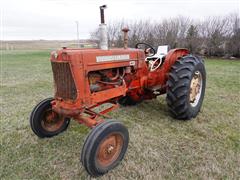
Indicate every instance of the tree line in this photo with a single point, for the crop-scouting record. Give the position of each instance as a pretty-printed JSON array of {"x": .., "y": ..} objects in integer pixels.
[{"x": 214, "y": 36}]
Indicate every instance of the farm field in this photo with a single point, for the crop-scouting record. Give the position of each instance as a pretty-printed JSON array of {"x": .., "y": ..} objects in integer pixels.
[{"x": 207, "y": 147}]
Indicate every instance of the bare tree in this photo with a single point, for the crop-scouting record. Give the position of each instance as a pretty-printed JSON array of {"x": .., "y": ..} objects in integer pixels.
[
  {"x": 192, "y": 39},
  {"x": 214, "y": 36},
  {"x": 233, "y": 43}
]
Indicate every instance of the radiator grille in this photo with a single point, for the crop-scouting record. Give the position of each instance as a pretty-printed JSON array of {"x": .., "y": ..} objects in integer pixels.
[{"x": 64, "y": 83}]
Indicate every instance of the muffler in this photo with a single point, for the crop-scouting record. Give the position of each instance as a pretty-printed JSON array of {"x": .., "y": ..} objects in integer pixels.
[{"x": 103, "y": 30}]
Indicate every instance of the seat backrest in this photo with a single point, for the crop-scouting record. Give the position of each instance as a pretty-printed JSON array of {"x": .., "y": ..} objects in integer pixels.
[{"x": 161, "y": 51}]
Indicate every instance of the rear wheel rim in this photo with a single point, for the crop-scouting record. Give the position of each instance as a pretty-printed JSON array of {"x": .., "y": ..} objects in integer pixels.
[
  {"x": 109, "y": 149},
  {"x": 51, "y": 121},
  {"x": 195, "y": 88}
]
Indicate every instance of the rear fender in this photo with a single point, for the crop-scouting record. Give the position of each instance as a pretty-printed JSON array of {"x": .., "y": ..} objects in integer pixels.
[
  {"x": 172, "y": 56},
  {"x": 159, "y": 77}
]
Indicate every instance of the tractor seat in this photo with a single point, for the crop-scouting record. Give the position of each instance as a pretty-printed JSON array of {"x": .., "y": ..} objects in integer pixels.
[{"x": 161, "y": 52}]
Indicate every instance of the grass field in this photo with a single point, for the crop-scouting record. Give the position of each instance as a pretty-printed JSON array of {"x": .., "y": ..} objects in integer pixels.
[{"x": 208, "y": 147}]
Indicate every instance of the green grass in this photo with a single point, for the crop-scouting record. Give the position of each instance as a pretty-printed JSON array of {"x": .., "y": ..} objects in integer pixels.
[{"x": 160, "y": 147}]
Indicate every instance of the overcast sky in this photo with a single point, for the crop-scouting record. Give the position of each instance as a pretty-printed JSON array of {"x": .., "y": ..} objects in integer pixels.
[{"x": 55, "y": 19}]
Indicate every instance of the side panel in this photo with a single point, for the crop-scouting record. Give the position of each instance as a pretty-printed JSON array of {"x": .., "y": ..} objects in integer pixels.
[{"x": 106, "y": 60}]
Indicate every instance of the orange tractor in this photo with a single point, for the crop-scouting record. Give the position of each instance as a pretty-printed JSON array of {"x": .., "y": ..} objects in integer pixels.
[{"x": 85, "y": 79}]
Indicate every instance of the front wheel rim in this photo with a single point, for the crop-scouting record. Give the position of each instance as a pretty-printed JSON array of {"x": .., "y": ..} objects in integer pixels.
[
  {"x": 51, "y": 121},
  {"x": 195, "y": 88},
  {"x": 109, "y": 149}
]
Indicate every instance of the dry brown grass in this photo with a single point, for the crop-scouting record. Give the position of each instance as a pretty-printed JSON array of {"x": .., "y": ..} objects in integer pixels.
[{"x": 39, "y": 44}]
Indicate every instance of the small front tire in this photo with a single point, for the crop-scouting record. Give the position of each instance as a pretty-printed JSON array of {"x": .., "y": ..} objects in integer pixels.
[
  {"x": 104, "y": 147},
  {"x": 45, "y": 122}
]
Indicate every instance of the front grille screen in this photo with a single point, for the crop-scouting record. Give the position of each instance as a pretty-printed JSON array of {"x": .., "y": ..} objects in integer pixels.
[{"x": 64, "y": 83}]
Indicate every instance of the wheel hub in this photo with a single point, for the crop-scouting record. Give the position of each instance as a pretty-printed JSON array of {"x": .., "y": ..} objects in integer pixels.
[
  {"x": 109, "y": 149},
  {"x": 195, "y": 88},
  {"x": 51, "y": 121}
]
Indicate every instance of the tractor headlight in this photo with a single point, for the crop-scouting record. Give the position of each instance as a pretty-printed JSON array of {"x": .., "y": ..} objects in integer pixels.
[{"x": 55, "y": 54}]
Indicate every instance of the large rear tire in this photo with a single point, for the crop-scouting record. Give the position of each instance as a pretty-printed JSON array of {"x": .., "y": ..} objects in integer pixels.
[{"x": 186, "y": 87}]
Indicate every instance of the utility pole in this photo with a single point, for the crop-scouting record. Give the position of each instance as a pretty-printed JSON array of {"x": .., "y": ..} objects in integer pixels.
[{"x": 78, "y": 43}]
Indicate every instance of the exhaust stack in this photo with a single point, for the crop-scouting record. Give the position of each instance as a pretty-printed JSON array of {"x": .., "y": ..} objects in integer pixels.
[
  {"x": 125, "y": 37},
  {"x": 103, "y": 30}
]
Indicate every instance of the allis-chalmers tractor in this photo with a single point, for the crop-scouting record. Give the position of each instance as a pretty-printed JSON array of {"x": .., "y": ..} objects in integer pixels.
[{"x": 85, "y": 79}]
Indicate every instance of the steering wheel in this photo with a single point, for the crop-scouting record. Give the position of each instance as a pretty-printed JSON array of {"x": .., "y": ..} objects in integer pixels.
[
  {"x": 154, "y": 65},
  {"x": 148, "y": 49}
]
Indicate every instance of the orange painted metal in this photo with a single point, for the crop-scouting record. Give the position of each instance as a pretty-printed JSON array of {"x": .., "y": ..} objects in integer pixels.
[
  {"x": 51, "y": 121},
  {"x": 138, "y": 84},
  {"x": 109, "y": 149},
  {"x": 160, "y": 76}
]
